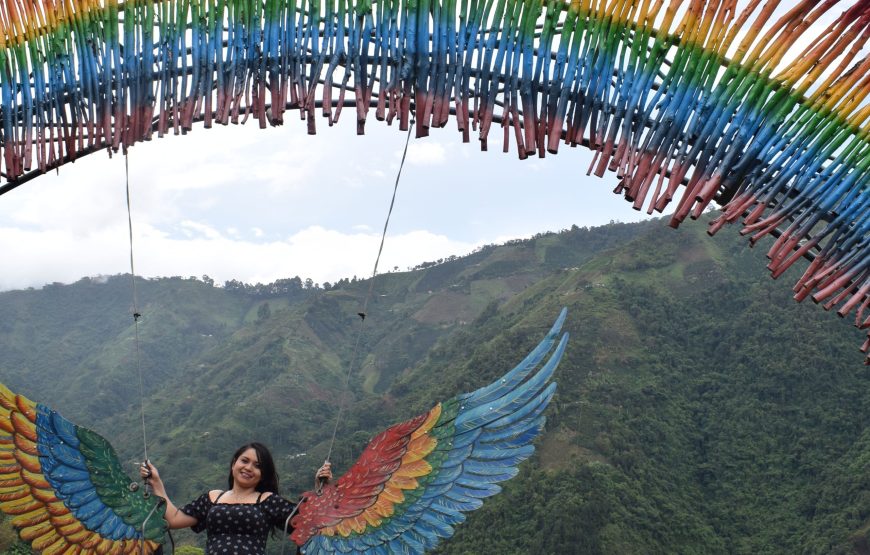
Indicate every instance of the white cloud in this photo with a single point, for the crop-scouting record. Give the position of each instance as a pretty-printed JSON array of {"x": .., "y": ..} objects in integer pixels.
[
  {"x": 316, "y": 252},
  {"x": 194, "y": 229},
  {"x": 312, "y": 206},
  {"x": 426, "y": 153}
]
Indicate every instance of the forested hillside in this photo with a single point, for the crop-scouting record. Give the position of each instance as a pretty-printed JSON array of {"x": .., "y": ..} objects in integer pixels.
[{"x": 699, "y": 409}]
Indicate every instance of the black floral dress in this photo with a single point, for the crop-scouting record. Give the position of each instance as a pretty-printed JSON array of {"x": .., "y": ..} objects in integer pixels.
[{"x": 241, "y": 527}]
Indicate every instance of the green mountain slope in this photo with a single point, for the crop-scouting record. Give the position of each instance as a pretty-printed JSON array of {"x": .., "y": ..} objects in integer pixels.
[{"x": 699, "y": 409}]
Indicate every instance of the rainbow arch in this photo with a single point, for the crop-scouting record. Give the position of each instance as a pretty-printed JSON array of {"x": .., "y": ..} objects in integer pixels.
[{"x": 759, "y": 106}]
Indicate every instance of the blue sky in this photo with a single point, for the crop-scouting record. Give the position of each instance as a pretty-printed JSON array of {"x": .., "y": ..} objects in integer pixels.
[
  {"x": 256, "y": 205},
  {"x": 252, "y": 204}
]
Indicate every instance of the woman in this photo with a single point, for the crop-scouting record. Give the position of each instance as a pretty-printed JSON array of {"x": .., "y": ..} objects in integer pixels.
[{"x": 239, "y": 519}]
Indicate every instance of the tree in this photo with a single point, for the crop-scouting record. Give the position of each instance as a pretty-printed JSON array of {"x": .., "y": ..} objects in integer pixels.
[{"x": 264, "y": 312}]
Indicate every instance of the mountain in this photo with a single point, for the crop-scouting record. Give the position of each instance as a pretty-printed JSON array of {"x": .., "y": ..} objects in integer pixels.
[{"x": 699, "y": 409}]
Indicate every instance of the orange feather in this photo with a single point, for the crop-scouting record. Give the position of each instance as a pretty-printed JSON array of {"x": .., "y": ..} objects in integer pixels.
[
  {"x": 27, "y": 407},
  {"x": 24, "y": 427},
  {"x": 29, "y": 462}
]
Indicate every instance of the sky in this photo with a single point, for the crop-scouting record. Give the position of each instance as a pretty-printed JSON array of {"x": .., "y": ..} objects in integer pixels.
[{"x": 256, "y": 205}]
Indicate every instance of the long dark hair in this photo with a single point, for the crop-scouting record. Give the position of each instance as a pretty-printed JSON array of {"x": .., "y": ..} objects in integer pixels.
[{"x": 268, "y": 475}]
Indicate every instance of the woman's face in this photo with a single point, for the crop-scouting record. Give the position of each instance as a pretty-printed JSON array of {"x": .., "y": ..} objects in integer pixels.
[{"x": 246, "y": 469}]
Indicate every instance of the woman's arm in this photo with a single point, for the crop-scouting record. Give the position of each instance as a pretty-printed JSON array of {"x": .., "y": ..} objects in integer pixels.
[{"x": 173, "y": 515}]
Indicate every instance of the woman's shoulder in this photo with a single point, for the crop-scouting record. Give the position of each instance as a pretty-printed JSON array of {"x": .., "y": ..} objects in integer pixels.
[
  {"x": 213, "y": 494},
  {"x": 277, "y": 500}
]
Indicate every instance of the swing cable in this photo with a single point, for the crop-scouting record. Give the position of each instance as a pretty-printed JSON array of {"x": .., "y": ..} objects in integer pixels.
[
  {"x": 362, "y": 314},
  {"x": 136, "y": 313}
]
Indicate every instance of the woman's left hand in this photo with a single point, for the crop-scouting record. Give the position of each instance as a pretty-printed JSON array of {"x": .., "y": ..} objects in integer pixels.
[{"x": 324, "y": 473}]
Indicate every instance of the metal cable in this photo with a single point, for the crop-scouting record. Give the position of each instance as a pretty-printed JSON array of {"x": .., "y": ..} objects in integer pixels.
[
  {"x": 136, "y": 313},
  {"x": 368, "y": 296}
]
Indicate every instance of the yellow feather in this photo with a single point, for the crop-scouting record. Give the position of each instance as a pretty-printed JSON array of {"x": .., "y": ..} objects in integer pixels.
[
  {"x": 31, "y": 518},
  {"x": 413, "y": 469},
  {"x": 86, "y": 539},
  {"x": 31, "y": 532},
  {"x": 12, "y": 493},
  {"x": 81, "y": 536},
  {"x": 49, "y": 543},
  {"x": 59, "y": 518},
  {"x": 59, "y": 549},
  {"x": 72, "y": 549},
  {"x": 384, "y": 507},
  {"x": 356, "y": 524},
  {"x": 21, "y": 506},
  {"x": 394, "y": 495},
  {"x": 402, "y": 482},
  {"x": 7, "y": 398},
  {"x": 104, "y": 546},
  {"x": 372, "y": 520},
  {"x": 433, "y": 417},
  {"x": 343, "y": 528},
  {"x": 420, "y": 447},
  {"x": 45, "y": 495},
  {"x": 70, "y": 530}
]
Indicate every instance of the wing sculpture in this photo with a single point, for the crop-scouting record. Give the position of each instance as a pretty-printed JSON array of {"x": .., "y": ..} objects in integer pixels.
[
  {"x": 414, "y": 482},
  {"x": 65, "y": 488}
]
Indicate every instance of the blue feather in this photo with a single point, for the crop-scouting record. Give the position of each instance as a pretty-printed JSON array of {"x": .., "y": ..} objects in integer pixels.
[
  {"x": 531, "y": 409},
  {"x": 466, "y": 439},
  {"x": 519, "y": 439},
  {"x": 456, "y": 456},
  {"x": 66, "y": 474},
  {"x": 446, "y": 513},
  {"x": 519, "y": 373},
  {"x": 515, "y": 430},
  {"x": 434, "y": 490},
  {"x": 464, "y": 505},
  {"x": 467, "y": 503},
  {"x": 500, "y": 455},
  {"x": 447, "y": 475},
  {"x": 474, "y": 488},
  {"x": 71, "y": 488},
  {"x": 68, "y": 456},
  {"x": 81, "y": 498},
  {"x": 500, "y": 474},
  {"x": 412, "y": 542},
  {"x": 513, "y": 400},
  {"x": 341, "y": 545},
  {"x": 399, "y": 547},
  {"x": 64, "y": 429},
  {"x": 482, "y": 445},
  {"x": 439, "y": 526}
]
